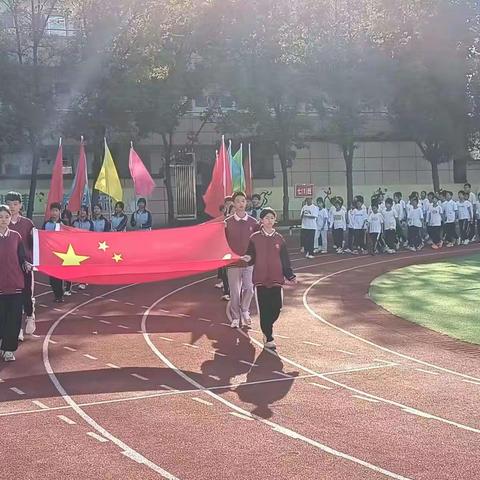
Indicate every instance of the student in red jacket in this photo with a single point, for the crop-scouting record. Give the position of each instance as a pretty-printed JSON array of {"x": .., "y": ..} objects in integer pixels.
[
  {"x": 12, "y": 283},
  {"x": 268, "y": 253},
  {"x": 24, "y": 226}
]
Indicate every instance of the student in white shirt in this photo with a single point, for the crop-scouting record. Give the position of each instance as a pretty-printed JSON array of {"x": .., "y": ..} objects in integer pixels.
[
  {"x": 450, "y": 213},
  {"x": 415, "y": 223},
  {"x": 359, "y": 221},
  {"x": 375, "y": 227},
  {"x": 339, "y": 225},
  {"x": 390, "y": 220},
  {"x": 349, "y": 242},
  {"x": 465, "y": 218},
  {"x": 472, "y": 198},
  {"x": 309, "y": 215},
  {"x": 322, "y": 228},
  {"x": 401, "y": 211},
  {"x": 477, "y": 215},
  {"x": 434, "y": 223}
]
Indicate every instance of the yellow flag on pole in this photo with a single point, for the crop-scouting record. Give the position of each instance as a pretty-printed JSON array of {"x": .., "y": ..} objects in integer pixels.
[{"x": 108, "y": 181}]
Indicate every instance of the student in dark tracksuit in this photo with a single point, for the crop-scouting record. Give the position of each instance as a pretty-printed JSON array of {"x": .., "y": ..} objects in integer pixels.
[
  {"x": 141, "y": 219},
  {"x": 12, "y": 282},
  {"x": 119, "y": 219},
  {"x": 267, "y": 252},
  {"x": 100, "y": 223}
]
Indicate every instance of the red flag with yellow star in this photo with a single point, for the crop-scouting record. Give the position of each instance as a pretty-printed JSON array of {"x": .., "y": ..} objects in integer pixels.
[{"x": 119, "y": 258}]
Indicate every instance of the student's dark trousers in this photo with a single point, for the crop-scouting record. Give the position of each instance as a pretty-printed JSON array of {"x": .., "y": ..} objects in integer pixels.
[
  {"x": 435, "y": 234},
  {"x": 10, "y": 321},
  {"x": 464, "y": 226},
  {"x": 390, "y": 238},
  {"x": 57, "y": 287},
  {"x": 338, "y": 237},
  {"x": 450, "y": 232},
  {"x": 308, "y": 240},
  {"x": 414, "y": 238},
  {"x": 269, "y": 301},
  {"x": 359, "y": 238},
  {"x": 27, "y": 295}
]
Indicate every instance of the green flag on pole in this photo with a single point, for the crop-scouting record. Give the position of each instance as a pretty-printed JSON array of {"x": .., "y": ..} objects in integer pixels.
[{"x": 238, "y": 174}]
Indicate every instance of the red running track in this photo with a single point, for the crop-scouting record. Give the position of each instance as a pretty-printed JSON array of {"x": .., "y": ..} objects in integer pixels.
[{"x": 143, "y": 382}]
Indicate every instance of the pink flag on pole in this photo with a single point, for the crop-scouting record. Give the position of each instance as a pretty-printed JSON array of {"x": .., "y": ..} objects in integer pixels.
[
  {"x": 142, "y": 180},
  {"x": 55, "y": 194},
  {"x": 80, "y": 182}
]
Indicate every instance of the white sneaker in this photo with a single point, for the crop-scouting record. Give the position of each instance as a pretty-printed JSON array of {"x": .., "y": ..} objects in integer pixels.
[
  {"x": 316, "y": 250},
  {"x": 8, "y": 357},
  {"x": 21, "y": 338},
  {"x": 302, "y": 250},
  {"x": 412, "y": 249},
  {"x": 466, "y": 242},
  {"x": 30, "y": 326},
  {"x": 226, "y": 298},
  {"x": 82, "y": 286},
  {"x": 272, "y": 345},
  {"x": 347, "y": 250},
  {"x": 309, "y": 256},
  {"x": 235, "y": 324},
  {"x": 219, "y": 285},
  {"x": 246, "y": 320},
  {"x": 68, "y": 293},
  {"x": 339, "y": 250}
]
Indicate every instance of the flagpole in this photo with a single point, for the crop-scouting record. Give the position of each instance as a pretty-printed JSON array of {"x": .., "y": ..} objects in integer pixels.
[
  {"x": 222, "y": 147},
  {"x": 250, "y": 174}
]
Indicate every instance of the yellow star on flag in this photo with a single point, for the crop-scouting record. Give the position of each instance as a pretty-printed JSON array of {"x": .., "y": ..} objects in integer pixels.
[
  {"x": 70, "y": 258},
  {"x": 103, "y": 246},
  {"x": 117, "y": 257}
]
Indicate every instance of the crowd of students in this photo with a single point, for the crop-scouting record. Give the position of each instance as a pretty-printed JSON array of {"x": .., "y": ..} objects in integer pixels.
[{"x": 389, "y": 224}]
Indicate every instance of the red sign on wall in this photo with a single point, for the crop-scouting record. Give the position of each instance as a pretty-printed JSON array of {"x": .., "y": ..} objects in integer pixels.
[{"x": 304, "y": 190}]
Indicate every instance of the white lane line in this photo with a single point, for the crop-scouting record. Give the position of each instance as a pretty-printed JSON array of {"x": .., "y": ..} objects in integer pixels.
[
  {"x": 97, "y": 437},
  {"x": 366, "y": 399},
  {"x": 57, "y": 310},
  {"x": 381, "y": 360},
  {"x": 112, "y": 365},
  {"x": 91, "y": 357},
  {"x": 87, "y": 317},
  {"x": 269, "y": 423},
  {"x": 190, "y": 345},
  {"x": 41, "y": 405},
  {"x": 281, "y": 336},
  {"x": 17, "y": 391},
  {"x": 283, "y": 374},
  {"x": 95, "y": 333},
  {"x": 70, "y": 349},
  {"x": 215, "y": 377},
  {"x": 1, "y": 380},
  {"x": 67, "y": 420},
  {"x": 183, "y": 315},
  {"x": 364, "y": 340},
  {"x": 52, "y": 341},
  {"x": 250, "y": 364},
  {"x": 345, "y": 352},
  {"x": 35, "y": 335},
  {"x": 123, "y": 326},
  {"x": 143, "y": 306},
  {"x": 201, "y": 400},
  {"x": 239, "y": 415},
  {"x": 166, "y": 339},
  {"x": 426, "y": 371},
  {"x": 140, "y": 377},
  {"x": 312, "y": 343},
  {"x": 218, "y": 353},
  {"x": 87, "y": 294},
  {"x": 106, "y": 322},
  {"x": 113, "y": 300},
  {"x": 43, "y": 305},
  {"x": 168, "y": 387},
  {"x": 471, "y": 381},
  {"x": 204, "y": 320},
  {"x": 418, "y": 413},
  {"x": 320, "y": 385},
  {"x": 69, "y": 400},
  {"x": 129, "y": 303}
]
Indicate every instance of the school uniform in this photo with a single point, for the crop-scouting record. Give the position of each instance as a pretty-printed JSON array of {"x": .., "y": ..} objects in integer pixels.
[
  {"x": 86, "y": 224},
  {"x": 450, "y": 210},
  {"x": 55, "y": 283},
  {"x": 465, "y": 217},
  {"x": 271, "y": 265},
  {"x": 322, "y": 229},
  {"x": 472, "y": 198},
  {"x": 141, "y": 220},
  {"x": 401, "y": 211},
  {"x": 119, "y": 223},
  {"x": 415, "y": 223},
  {"x": 255, "y": 213},
  {"x": 309, "y": 215},
  {"x": 101, "y": 224},
  {"x": 359, "y": 219},
  {"x": 375, "y": 226},
  {"x": 238, "y": 231},
  {"x": 434, "y": 223},
  {"x": 12, "y": 283},
  {"x": 24, "y": 226},
  {"x": 339, "y": 226},
  {"x": 390, "y": 220}
]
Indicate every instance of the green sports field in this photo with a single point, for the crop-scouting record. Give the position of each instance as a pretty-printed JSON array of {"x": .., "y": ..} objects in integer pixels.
[{"x": 443, "y": 296}]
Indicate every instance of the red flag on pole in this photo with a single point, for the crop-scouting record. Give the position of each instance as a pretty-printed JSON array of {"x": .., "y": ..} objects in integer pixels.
[
  {"x": 142, "y": 180},
  {"x": 80, "y": 182},
  {"x": 220, "y": 185},
  {"x": 116, "y": 259},
  {"x": 55, "y": 194},
  {"x": 248, "y": 173}
]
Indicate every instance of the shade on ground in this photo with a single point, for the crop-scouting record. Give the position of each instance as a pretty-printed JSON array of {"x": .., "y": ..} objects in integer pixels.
[{"x": 443, "y": 296}]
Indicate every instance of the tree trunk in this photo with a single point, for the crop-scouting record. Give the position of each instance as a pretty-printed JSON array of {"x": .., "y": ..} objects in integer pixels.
[
  {"x": 282, "y": 153},
  {"x": 33, "y": 177},
  {"x": 167, "y": 143},
  {"x": 435, "y": 175},
  {"x": 348, "y": 157}
]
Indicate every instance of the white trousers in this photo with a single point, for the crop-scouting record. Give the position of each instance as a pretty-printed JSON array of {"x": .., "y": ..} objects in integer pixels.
[
  {"x": 323, "y": 234},
  {"x": 241, "y": 290}
]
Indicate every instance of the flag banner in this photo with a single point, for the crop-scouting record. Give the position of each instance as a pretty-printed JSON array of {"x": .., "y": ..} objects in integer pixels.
[
  {"x": 132, "y": 257},
  {"x": 238, "y": 175},
  {"x": 142, "y": 180},
  {"x": 108, "y": 181},
  {"x": 80, "y": 194},
  {"x": 221, "y": 184},
  {"x": 248, "y": 173},
  {"x": 55, "y": 194}
]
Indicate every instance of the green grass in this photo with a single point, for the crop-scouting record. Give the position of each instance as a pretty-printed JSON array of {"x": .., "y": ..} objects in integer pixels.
[{"x": 443, "y": 296}]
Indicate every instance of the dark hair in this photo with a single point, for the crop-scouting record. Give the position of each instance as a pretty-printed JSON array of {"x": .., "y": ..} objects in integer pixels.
[
  {"x": 120, "y": 204},
  {"x": 388, "y": 201},
  {"x": 67, "y": 214},
  {"x": 84, "y": 208},
  {"x": 228, "y": 198},
  {"x": 238, "y": 194},
  {"x": 398, "y": 194},
  {"x": 256, "y": 195},
  {"x": 424, "y": 191},
  {"x": 13, "y": 197},
  {"x": 142, "y": 200},
  {"x": 414, "y": 199},
  {"x": 461, "y": 192},
  {"x": 266, "y": 211},
  {"x": 358, "y": 198},
  {"x": 99, "y": 206},
  {"x": 467, "y": 185},
  {"x": 374, "y": 204},
  {"x": 5, "y": 208},
  {"x": 431, "y": 193},
  {"x": 55, "y": 205}
]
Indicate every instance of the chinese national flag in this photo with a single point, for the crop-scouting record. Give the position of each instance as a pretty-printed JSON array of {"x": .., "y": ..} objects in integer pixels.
[{"x": 119, "y": 258}]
